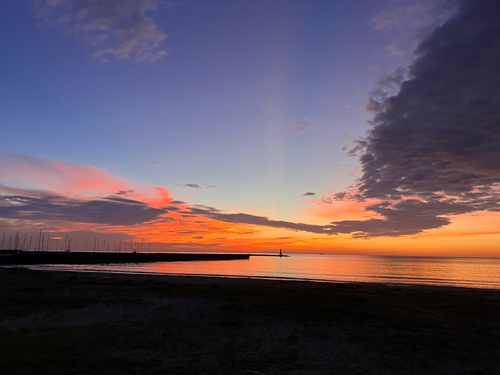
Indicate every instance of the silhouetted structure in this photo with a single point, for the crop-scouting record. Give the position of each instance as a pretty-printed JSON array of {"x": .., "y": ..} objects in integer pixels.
[{"x": 10, "y": 257}]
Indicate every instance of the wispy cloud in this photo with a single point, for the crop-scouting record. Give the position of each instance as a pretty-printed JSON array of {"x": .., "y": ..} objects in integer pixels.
[
  {"x": 302, "y": 124},
  {"x": 308, "y": 194},
  {"x": 67, "y": 178},
  {"x": 71, "y": 180},
  {"x": 408, "y": 21},
  {"x": 400, "y": 14},
  {"x": 192, "y": 186},
  {"x": 197, "y": 186},
  {"x": 111, "y": 28},
  {"x": 124, "y": 192}
]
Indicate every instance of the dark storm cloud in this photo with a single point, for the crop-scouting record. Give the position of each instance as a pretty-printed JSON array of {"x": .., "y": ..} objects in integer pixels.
[
  {"x": 112, "y": 211},
  {"x": 438, "y": 137},
  {"x": 441, "y": 132}
]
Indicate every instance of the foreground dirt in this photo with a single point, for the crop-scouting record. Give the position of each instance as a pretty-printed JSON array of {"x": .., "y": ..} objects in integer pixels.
[{"x": 62, "y": 323}]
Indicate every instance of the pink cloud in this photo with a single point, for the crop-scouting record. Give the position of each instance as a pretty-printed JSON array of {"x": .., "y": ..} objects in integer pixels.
[{"x": 71, "y": 180}]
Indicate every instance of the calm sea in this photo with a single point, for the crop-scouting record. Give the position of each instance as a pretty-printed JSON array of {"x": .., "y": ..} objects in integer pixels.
[{"x": 464, "y": 272}]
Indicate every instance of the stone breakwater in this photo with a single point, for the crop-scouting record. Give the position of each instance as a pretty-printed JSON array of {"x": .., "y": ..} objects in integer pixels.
[{"x": 18, "y": 257}]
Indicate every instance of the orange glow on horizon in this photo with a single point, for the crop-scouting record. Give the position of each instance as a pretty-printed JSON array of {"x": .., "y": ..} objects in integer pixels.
[
  {"x": 473, "y": 234},
  {"x": 340, "y": 210}
]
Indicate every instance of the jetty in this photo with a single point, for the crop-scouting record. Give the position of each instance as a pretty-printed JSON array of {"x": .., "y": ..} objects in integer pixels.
[
  {"x": 20, "y": 257},
  {"x": 281, "y": 255},
  {"x": 45, "y": 249}
]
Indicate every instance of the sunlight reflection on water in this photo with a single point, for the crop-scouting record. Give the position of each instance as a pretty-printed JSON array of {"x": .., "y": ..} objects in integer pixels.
[{"x": 465, "y": 272}]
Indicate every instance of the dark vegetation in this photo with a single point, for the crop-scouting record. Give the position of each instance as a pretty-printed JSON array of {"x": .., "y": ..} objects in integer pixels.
[{"x": 67, "y": 323}]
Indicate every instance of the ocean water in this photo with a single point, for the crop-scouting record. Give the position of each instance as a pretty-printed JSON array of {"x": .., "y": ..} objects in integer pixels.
[{"x": 463, "y": 272}]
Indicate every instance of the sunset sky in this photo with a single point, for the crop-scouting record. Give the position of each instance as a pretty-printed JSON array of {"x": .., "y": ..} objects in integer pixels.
[{"x": 349, "y": 127}]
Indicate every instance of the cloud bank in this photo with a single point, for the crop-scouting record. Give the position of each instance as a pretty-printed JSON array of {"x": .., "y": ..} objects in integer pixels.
[
  {"x": 74, "y": 193},
  {"x": 101, "y": 199},
  {"x": 109, "y": 210},
  {"x": 111, "y": 28},
  {"x": 434, "y": 148},
  {"x": 405, "y": 218}
]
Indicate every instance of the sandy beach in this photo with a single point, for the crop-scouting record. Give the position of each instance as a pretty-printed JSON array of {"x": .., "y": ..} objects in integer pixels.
[{"x": 75, "y": 323}]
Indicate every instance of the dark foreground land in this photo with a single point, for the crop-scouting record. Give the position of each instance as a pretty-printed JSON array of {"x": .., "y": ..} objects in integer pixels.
[{"x": 68, "y": 323}]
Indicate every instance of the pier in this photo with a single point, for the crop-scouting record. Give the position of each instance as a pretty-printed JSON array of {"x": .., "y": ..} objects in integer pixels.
[
  {"x": 20, "y": 257},
  {"x": 29, "y": 249}
]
